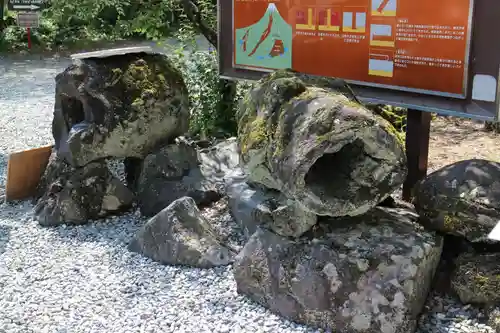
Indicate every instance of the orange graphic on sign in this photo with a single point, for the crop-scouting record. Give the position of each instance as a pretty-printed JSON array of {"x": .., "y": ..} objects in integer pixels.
[
  {"x": 354, "y": 19},
  {"x": 305, "y": 18},
  {"x": 329, "y": 19},
  {"x": 413, "y": 45}
]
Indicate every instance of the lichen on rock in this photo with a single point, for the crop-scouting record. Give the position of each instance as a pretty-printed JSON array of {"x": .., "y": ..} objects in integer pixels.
[
  {"x": 461, "y": 199},
  {"x": 368, "y": 273},
  {"x": 309, "y": 138},
  {"x": 476, "y": 278}
]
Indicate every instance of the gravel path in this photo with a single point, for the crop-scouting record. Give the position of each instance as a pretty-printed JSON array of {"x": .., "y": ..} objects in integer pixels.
[{"x": 83, "y": 279}]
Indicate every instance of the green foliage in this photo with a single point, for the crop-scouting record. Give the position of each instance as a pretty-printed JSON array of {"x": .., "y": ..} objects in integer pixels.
[
  {"x": 395, "y": 115},
  {"x": 201, "y": 75},
  {"x": 68, "y": 22}
]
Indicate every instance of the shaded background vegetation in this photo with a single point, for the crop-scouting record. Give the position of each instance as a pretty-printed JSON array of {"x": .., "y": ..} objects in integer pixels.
[
  {"x": 76, "y": 24},
  {"x": 73, "y": 24}
]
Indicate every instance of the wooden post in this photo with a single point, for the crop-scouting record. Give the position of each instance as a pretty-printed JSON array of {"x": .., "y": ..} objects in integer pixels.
[{"x": 418, "y": 127}]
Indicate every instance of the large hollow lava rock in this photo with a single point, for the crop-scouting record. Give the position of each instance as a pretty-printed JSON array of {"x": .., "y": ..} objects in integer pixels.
[
  {"x": 308, "y": 138},
  {"x": 118, "y": 106}
]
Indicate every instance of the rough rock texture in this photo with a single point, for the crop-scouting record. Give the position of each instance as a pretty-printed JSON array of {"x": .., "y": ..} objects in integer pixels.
[
  {"x": 169, "y": 174},
  {"x": 180, "y": 235},
  {"x": 461, "y": 199},
  {"x": 119, "y": 106},
  {"x": 74, "y": 196},
  {"x": 220, "y": 164},
  {"x": 253, "y": 207},
  {"x": 307, "y": 138},
  {"x": 477, "y": 278},
  {"x": 494, "y": 319},
  {"x": 369, "y": 273}
]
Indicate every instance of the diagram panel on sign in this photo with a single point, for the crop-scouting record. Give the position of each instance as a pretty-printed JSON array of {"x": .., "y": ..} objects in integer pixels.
[{"x": 419, "y": 46}]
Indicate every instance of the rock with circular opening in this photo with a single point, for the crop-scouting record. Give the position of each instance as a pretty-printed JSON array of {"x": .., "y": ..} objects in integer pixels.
[
  {"x": 309, "y": 138},
  {"x": 121, "y": 106}
]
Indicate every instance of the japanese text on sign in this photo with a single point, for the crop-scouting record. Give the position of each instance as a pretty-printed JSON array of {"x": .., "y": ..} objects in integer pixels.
[{"x": 404, "y": 44}]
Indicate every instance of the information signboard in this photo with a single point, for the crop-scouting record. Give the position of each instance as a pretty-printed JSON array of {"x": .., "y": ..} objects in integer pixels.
[
  {"x": 400, "y": 44},
  {"x": 427, "y": 55},
  {"x": 28, "y": 20}
]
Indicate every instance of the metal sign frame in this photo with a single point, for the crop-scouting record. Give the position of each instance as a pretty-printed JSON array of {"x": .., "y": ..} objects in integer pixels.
[
  {"x": 28, "y": 19},
  {"x": 483, "y": 56}
]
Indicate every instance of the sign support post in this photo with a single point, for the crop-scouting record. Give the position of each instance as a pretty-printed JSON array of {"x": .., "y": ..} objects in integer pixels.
[
  {"x": 28, "y": 30},
  {"x": 418, "y": 125}
]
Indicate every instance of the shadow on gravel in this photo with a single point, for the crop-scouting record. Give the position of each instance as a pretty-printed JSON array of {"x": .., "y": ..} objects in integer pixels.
[
  {"x": 114, "y": 232},
  {"x": 4, "y": 237},
  {"x": 112, "y": 238}
]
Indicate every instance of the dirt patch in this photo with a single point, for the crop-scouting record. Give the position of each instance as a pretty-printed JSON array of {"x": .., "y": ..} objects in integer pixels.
[{"x": 455, "y": 139}]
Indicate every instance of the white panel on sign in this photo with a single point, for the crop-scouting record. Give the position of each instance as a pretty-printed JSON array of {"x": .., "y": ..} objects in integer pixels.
[
  {"x": 484, "y": 88},
  {"x": 495, "y": 233}
]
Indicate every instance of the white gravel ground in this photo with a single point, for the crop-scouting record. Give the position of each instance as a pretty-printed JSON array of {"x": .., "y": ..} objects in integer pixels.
[{"x": 83, "y": 279}]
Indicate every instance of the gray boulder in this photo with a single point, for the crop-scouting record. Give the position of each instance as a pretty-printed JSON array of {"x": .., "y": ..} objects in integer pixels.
[
  {"x": 462, "y": 199},
  {"x": 180, "y": 235},
  {"x": 68, "y": 195},
  {"x": 476, "y": 278},
  {"x": 184, "y": 169},
  {"x": 254, "y": 207},
  {"x": 171, "y": 173},
  {"x": 118, "y": 106},
  {"x": 369, "y": 273},
  {"x": 308, "y": 138}
]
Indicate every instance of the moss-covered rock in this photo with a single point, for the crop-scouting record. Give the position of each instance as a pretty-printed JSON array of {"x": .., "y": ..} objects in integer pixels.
[
  {"x": 461, "y": 199},
  {"x": 309, "y": 138},
  {"x": 477, "y": 278},
  {"x": 118, "y": 106}
]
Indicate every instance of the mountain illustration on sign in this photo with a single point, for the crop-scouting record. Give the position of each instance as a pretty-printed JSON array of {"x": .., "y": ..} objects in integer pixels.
[{"x": 267, "y": 43}]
